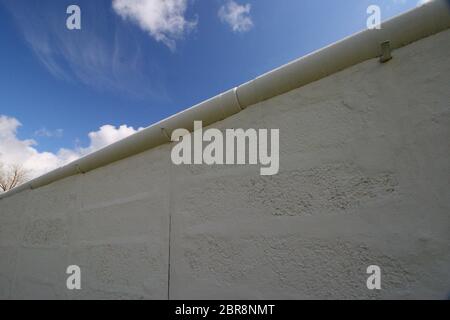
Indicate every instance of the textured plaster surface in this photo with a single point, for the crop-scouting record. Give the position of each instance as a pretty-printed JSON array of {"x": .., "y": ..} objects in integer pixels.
[{"x": 364, "y": 179}]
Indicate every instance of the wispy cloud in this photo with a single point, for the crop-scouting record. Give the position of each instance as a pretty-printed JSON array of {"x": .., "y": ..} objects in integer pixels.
[
  {"x": 164, "y": 20},
  {"x": 46, "y": 133},
  {"x": 236, "y": 16},
  {"x": 14, "y": 150},
  {"x": 100, "y": 55}
]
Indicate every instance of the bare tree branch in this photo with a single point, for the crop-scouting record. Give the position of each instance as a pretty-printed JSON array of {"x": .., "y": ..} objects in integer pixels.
[{"x": 12, "y": 176}]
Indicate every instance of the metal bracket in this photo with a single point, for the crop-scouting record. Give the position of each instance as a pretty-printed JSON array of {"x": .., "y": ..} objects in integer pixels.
[
  {"x": 165, "y": 134},
  {"x": 79, "y": 169},
  {"x": 385, "y": 52}
]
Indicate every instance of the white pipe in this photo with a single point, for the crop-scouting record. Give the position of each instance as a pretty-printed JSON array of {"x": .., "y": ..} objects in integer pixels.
[{"x": 411, "y": 26}]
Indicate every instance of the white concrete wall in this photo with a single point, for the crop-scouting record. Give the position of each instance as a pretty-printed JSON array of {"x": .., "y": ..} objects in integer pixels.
[{"x": 364, "y": 179}]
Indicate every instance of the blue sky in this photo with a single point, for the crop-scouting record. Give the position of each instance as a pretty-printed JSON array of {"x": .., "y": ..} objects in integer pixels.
[{"x": 133, "y": 65}]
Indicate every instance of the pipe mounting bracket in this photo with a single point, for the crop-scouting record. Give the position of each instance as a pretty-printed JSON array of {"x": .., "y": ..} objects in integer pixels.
[{"x": 386, "y": 52}]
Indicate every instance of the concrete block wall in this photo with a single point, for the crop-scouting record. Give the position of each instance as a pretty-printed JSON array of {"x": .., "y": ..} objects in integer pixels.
[{"x": 364, "y": 179}]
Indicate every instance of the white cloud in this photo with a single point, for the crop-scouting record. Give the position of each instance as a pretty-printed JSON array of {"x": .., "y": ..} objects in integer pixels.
[
  {"x": 237, "y": 16},
  {"x": 421, "y": 2},
  {"x": 164, "y": 20},
  {"x": 106, "y": 135},
  {"x": 13, "y": 150}
]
